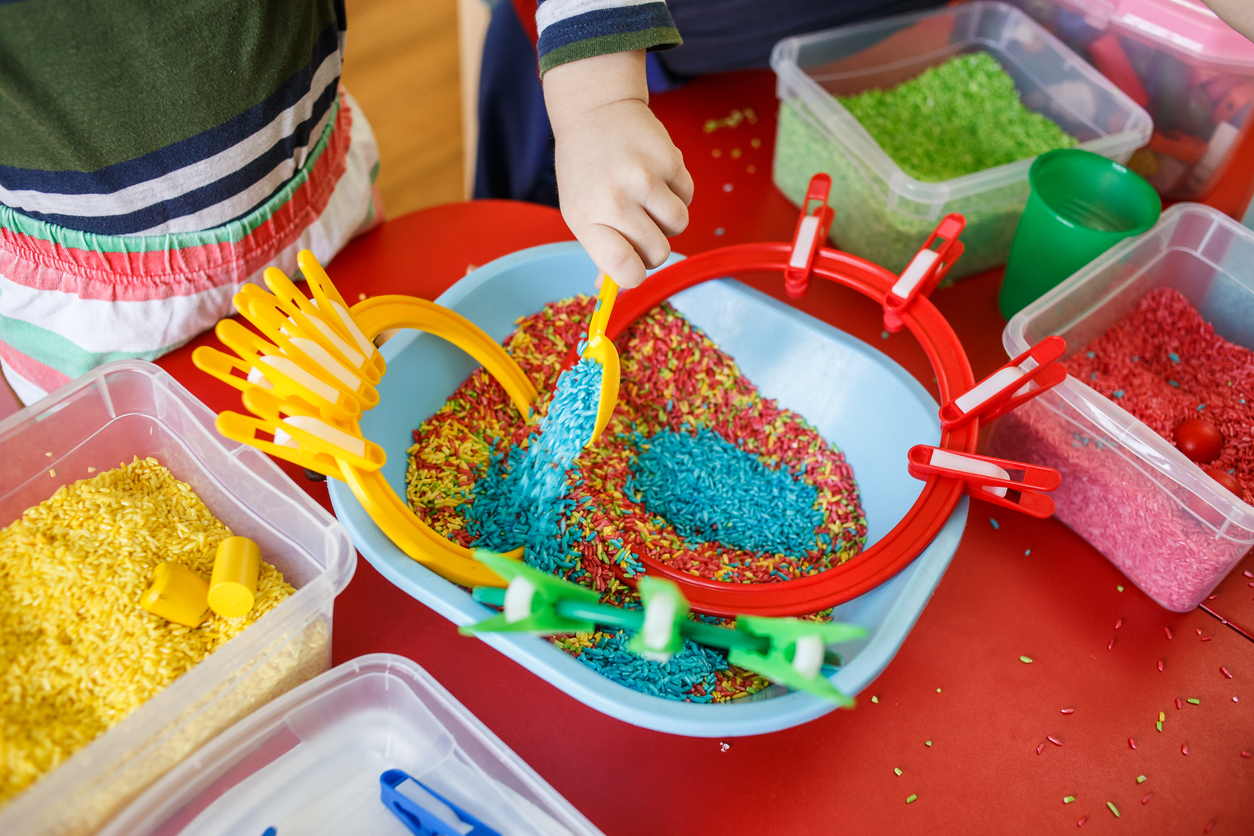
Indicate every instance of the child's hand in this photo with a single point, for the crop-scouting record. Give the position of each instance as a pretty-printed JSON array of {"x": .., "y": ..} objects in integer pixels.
[{"x": 621, "y": 181}]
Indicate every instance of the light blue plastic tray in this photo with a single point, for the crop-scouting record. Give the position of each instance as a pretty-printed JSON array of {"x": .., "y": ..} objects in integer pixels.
[{"x": 856, "y": 396}]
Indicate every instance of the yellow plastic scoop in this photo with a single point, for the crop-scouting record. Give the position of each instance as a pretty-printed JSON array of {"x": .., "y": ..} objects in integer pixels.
[
  {"x": 309, "y": 376},
  {"x": 601, "y": 349}
]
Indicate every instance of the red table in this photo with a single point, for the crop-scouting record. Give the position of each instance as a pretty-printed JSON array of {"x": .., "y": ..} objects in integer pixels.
[{"x": 966, "y": 721}]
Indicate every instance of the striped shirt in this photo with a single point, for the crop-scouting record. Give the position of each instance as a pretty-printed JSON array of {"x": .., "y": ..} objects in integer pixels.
[
  {"x": 154, "y": 157},
  {"x": 569, "y": 30}
]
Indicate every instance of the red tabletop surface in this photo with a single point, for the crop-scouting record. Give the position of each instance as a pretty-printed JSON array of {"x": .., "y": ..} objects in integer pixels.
[{"x": 980, "y": 737}]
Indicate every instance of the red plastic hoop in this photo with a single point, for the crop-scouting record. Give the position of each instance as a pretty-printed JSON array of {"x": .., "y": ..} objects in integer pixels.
[{"x": 907, "y": 540}]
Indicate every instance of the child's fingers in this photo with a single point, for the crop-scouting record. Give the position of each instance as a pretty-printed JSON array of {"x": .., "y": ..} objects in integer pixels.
[
  {"x": 649, "y": 242},
  {"x": 667, "y": 210},
  {"x": 613, "y": 253},
  {"x": 681, "y": 183}
]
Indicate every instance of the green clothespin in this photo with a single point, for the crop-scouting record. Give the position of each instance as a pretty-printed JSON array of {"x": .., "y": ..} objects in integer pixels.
[
  {"x": 531, "y": 601},
  {"x": 665, "y": 610},
  {"x": 796, "y": 652},
  {"x": 784, "y": 650}
]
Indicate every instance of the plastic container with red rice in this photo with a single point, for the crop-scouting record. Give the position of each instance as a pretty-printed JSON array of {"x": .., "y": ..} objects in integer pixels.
[{"x": 1171, "y": 528}]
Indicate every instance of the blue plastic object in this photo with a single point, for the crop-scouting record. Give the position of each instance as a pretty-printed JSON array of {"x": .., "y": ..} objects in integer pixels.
[
  {"x": 420, "y": 820},
  {"x": 856, "y": 396}
]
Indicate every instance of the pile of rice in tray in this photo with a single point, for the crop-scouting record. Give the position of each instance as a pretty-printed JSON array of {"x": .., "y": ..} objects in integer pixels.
[
  {"x": 695, "y": 469},
  {"x": 78, "y": 653}
]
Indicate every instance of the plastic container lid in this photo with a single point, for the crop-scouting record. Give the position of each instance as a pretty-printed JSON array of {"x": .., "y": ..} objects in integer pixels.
[
  {"x": 309, "y": 764},
  {"x": 1187, "y": 25}
]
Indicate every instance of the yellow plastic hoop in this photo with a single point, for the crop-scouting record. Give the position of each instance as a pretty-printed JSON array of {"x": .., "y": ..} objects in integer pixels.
[{"x": 389, "y": 511}]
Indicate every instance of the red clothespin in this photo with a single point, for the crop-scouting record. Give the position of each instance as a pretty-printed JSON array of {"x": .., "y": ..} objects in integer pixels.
[
  {"x": 811, "y": 232},
  {"x": 925, "y": 270},
  {"x": 1017, "y": 382},
  {"x": 1010, "y": 484}
]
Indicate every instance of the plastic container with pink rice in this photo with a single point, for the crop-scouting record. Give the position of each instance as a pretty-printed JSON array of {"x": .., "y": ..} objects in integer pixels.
[{"x": 1170, "y": 527}]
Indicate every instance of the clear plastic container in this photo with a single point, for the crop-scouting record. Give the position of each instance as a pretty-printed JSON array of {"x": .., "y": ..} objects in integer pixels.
[
  {"x": 1176, "y": 58},
  {"x": 103, "y": 419},
  {"x": 309, "y": 764},
  {"x": 883, "y": 214},
  {"x": 1173, "y": 530}
]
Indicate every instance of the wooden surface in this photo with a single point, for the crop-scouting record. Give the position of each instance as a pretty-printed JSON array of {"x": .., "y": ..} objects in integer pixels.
[
  {"x": 401, "y": 65},
  {"x": 472, "y": 29}
]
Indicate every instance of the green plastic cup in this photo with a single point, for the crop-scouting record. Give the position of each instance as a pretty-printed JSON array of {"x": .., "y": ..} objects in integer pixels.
[{"x": 1081, "y": 204}]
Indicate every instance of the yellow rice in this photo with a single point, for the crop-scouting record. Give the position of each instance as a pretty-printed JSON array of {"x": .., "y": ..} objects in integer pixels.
[{"x": 77, "y": 653}]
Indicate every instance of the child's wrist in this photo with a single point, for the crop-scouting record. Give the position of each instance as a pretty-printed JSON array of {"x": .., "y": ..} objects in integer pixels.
[{"x": 577, "y": 88}]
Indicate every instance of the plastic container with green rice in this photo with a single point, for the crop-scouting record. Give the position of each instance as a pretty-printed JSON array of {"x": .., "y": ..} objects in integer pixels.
[{"x": 886, "y": 208}]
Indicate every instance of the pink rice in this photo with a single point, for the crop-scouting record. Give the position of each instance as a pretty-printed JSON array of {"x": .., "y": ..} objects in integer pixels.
[{"x": 1161, "y": 362}]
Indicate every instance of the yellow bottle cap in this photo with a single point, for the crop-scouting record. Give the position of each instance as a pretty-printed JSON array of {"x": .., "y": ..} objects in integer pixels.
[
  {"x": 233, "y": 587},
  {"x": 177, "y": 594}
]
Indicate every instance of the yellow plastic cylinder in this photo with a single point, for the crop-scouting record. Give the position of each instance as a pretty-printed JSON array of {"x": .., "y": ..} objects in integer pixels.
[
  {"x": 233, "y": 587},
  {"x": 177, "y": 594}
]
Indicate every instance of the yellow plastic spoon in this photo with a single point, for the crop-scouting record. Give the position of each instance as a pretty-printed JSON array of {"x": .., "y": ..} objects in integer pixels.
[{"x": 601, "y": 349}]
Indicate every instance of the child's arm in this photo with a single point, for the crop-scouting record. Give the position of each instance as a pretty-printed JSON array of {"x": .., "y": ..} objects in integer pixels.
[
  {"x": 1239, "y": 14},
  {"x": 621, "y": 181}
]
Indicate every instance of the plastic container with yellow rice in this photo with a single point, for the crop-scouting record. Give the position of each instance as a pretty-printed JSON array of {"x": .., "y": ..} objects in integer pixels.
[{"x": 99, "y": 483}]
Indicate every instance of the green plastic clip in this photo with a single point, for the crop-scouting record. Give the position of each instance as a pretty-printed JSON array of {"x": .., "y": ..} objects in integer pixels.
[
  {"x": 784, "y": 650},
  {"x": 531, "y": 601},
  {"x": 665, "y": 611},
  {"x": 796, "y": 653}
]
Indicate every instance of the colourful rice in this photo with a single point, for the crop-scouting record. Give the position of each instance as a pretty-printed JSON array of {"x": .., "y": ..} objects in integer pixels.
[
  {"x": 77, "y": 651},
  {"x": 1163, "y": 363},
  {"x": 519, "y": 501},
  {"x": 695, "y": 469}
]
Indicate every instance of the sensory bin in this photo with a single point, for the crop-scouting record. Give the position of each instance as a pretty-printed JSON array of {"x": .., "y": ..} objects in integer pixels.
[
  {"x": 310, "y": 762},
  {"x": 958, "y": 118},
  {"x": 807, "y": 366},
  {"x": 1109, "y": 428},
  {"x": 696, "y": 469},
  {"x": 79, "y": 654},
  {"x": 1164, "y": 364},
  {"x": 114, "y": 414},
  {"x": 1192, "y": 72},
  {"x": 854, "y": 103}
]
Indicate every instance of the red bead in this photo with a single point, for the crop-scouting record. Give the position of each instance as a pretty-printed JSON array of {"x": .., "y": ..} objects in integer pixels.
[
  {"x": 1229, "y": 481},
  {"x": 1198, "y": 439}
]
